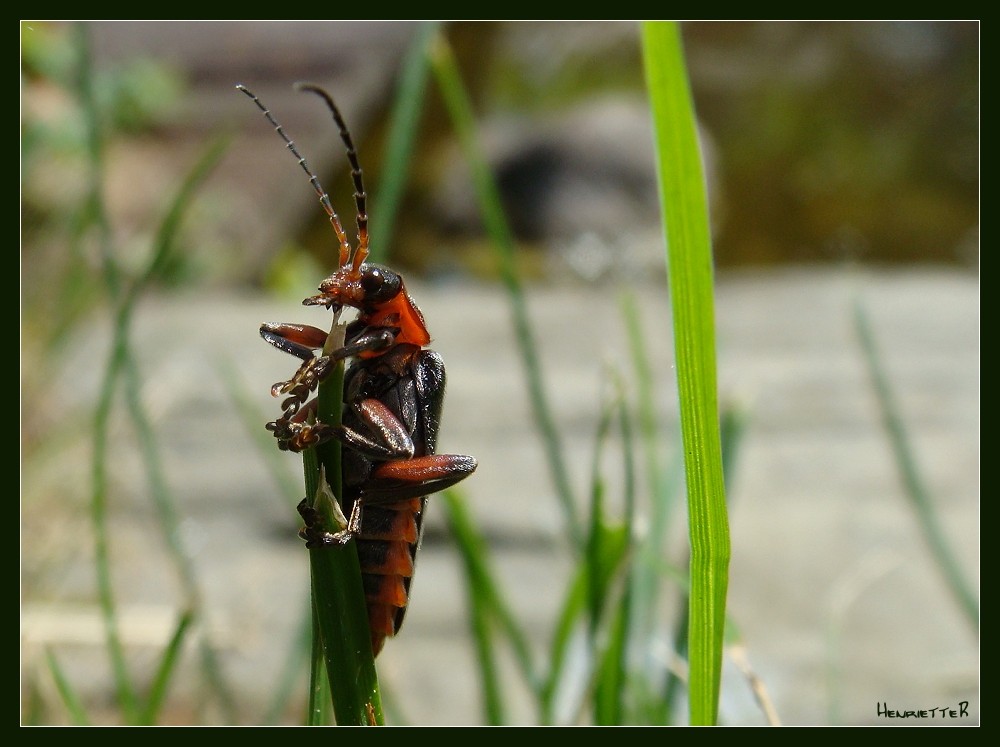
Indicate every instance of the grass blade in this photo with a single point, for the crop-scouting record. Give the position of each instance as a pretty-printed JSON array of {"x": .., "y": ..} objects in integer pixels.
[
  {"x": 320, "y": 697},
  {"x": 479, "y": 592},
  {"x": 338, "y": 597},
  {"x": 69, "y": 697},
  {"x": 168, "y": 664},
  {"x": 121, "y": 363},
  {"x": 689, "y": 262},
  {"x": 459, "y": 107},
  {"x": 913, "y": 482},
  {"x": 294, "y": 665},
  {"x": 609, "y": 694},
  {"x": 488, "y": 607},
  {"x": 608, "y": 549},
  {"x": 403, "y": 122},
  {"x": 166, "y": 510},
  {"x": 613, "y": 679},
  {"x": 126, "y": 695}
]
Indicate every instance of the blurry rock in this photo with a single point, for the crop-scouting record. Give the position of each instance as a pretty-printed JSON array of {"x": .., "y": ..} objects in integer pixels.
[{"x": 582, "y": 185}]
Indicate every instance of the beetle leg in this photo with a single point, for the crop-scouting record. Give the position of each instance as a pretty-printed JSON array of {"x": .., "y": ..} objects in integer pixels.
[
  {"x": 298, "y": 436},
  {"x": 403, "y": 480},
  {"x": 370, "y": 340},
  {"x": 395, "y": 482},
  {"x": 294, "y": 432},
  {"x": 302, "y": 384},
  {"x": 296, "y": 339},
  {"x": 385, "y": 437},
  {"x": 413, "y": 478},
  {"x": 299, "y": 340},
  {"x": 313, "y": 531}
]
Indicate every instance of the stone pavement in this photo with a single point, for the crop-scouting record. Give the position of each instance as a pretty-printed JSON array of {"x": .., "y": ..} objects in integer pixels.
[{"x": 836, "y": 601}]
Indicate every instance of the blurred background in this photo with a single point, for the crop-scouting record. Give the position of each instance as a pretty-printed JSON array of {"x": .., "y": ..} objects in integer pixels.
[{"x": 842, "y": 163}]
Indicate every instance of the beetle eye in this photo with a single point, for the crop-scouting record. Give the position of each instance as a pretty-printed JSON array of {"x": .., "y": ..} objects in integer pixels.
[
  {"x": 372, "y": 279},
  {"x": 379, "y": 283}
]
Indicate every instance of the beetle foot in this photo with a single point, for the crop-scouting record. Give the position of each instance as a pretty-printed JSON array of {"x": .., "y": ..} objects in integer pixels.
[
  {"x": 302, "y": 384},
  {"x": 297, "y": 437},
  {"x": 313, "y": 532}
]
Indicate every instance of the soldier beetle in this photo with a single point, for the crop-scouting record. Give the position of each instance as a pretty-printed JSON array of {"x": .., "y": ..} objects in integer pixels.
[{"x": 393, "y": 396}]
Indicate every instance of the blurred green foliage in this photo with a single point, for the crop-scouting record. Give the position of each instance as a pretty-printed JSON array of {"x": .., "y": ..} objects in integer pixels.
[
  {"x": 58, "y": 260},
  {"x": 842, "y": 140},
  {"x": 825, "y": 141}
]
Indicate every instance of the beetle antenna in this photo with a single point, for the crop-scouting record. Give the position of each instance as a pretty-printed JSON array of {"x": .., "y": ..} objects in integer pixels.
[
  {"x": 324, "y": 198},
  {"x": 360, "y": 198}
]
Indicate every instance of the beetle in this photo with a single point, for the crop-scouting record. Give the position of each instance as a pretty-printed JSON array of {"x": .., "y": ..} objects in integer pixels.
[{"x": 393, "y": 397}]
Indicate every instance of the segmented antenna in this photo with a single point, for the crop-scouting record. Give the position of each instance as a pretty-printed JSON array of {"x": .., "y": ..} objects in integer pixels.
[
  {"x": 324, "y": 198},
  {"x": 352, "y": 156}
]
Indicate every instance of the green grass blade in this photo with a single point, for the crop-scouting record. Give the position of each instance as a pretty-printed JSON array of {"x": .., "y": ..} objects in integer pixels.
[
  {"x": 488, "y": 607},
  {"x": 608, "y": 549},
  {"x": 166, "y": 511},
  {"x": 295, "y": 662},
  {"x": 338, "y": 597},
  {"x": 646, "y": 396},
  {"x": 320, "y": 705},
  {"x": 674, "y": 682},
  {"x": 607, "y": 639},
  {"x": 340, "y": 615},
  {"x": 289, "y": 491},
  {"x": 94, "y": 211},
  {"x": 354, "y": 689},
  {"x": 165, "y": 240},
  {"x": 125, "y": 691},
  {"x": 403, "y": 122},
  {"x": 913, "y": 482},
  {"x": 494, "y": 711},
  {"x": 689, "y": 262},
  {"x": 665, "y": 484},
  {"x": 607, "y": 543},
  {"x": 127, "y": 698},
  {"x": 168, "y": 664},
  {"x": 572, "y": 611},
  {"x": 121, "y": 363},
  {"x": 33, "y": 707},
  {"x": 479, "y": 593},
  {"x": 69, "y": 697},
  {"x": 612, "y": 680},
  {"x": 732, "y": 426},
  {"x": 459, "y": 108},
  {"x": 163, "y": 247}
]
